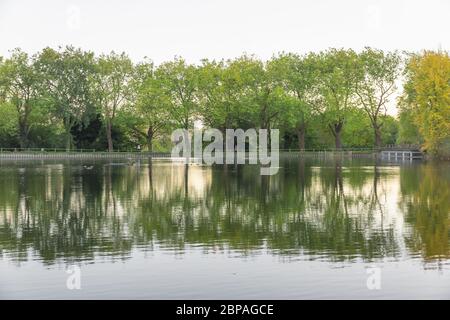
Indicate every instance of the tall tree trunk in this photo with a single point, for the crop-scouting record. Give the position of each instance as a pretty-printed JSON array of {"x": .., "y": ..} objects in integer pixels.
[
  {"x": 265, "y": 125},
  {"x": 109, "y": 135},
  {"x": 377, "y": 131},
  {"x": 301, "y": 131},
  {"x": 336, "y": 129},
  {"x": 23, "y": 133},
  {"x": 68, "y": 140},
  {"x": 24, "y": 128},
  {"x": 68, "y": 123},
  {"x": 150, "y": 139},
  {"x": 337, "y": 140}
]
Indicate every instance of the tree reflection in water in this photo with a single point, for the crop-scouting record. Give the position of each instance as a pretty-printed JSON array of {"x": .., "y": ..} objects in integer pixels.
[{"x": 338, "y": 210}]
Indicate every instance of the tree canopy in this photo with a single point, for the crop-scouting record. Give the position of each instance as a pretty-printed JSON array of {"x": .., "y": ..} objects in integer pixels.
[
  {"x": 69, "y": 97},
  {"x": 426, "y": 98}
]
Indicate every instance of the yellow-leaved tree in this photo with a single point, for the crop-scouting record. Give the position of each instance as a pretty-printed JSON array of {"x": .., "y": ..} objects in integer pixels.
[{"x": 427, "y": 97}]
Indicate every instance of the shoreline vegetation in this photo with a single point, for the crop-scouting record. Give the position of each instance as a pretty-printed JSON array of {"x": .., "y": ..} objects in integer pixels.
[{"x": 73, "y": 99}]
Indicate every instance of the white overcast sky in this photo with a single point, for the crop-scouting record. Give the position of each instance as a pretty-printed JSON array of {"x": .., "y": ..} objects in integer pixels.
[{"x": 196, "y": 29}]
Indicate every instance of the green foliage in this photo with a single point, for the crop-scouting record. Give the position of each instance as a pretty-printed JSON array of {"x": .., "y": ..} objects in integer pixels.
[
  {"x": 390, "y": 130},
  {"x": 335, "y": 98},
  {"x": 219, "y": 91},
  {"x": 149, "y": 115},
  {"x": 178, "y": 81},
  {"x": 8, "y": 126},
  {"x": 357, "y": 132},
  {"x": 19, "y": 84},
  {"x": 111, "y": 88},
  {"x": 376, "y": 84},
  {"x": 336, "y": 73},
  {"x": 258, "y": 92},
  {"x": 408, "y": 132},
  {"x": 67, "y": 84},
  {"x": 296, "y": 75}
]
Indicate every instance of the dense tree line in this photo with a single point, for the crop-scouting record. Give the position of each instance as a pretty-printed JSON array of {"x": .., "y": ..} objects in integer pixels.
[{"x": 71, "y": 98}]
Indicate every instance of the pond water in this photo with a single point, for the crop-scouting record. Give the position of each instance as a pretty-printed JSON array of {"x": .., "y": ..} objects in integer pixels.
[{"x": 318, "y": 229}]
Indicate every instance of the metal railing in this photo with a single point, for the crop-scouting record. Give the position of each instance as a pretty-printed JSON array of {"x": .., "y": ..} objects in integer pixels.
[
  {"x": 64, "y": 150},
  {"x": 55, "y": 153},
  {"x": 412, "y": 147},
  {"x": 345, "y": 149},
  {"x": 38, "y": 150}
]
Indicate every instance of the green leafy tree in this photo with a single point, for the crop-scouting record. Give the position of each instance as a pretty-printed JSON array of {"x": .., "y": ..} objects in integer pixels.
[
  {"x": 390, "y": 130},
  {"x": 112, "y": 90},
  {"x": 259, "y": 92},
  {"x": 148, "y": 115},
  {"x": 408, "y": 132},
  {"x": 19, "y": 84},
  {"x": 295, "y": 74},
  {"x": 67, "y": 78},
  {"x": 336, "y": 76},
  {"x": 357, "y": 130},
  {"x": 219, "y": 91},
  {"x": 378, "y": 73},
  {"x": 8, "y": 125},
  {"x": 178, "y": 81}
]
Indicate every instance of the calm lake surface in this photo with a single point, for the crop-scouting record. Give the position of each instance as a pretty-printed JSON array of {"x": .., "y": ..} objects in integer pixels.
[{"x": 317, "y": 229}]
